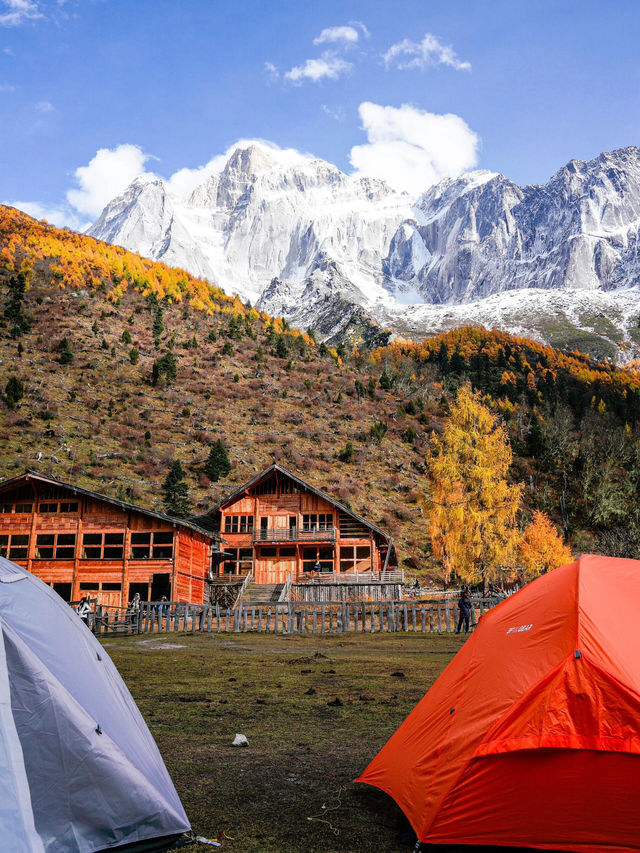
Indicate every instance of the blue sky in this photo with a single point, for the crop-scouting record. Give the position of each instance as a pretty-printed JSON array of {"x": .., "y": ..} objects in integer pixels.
[{"x": 164, "y": 85}]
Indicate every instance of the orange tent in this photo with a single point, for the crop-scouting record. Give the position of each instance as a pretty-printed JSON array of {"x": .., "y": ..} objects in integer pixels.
[{"x": 531, "y": 735}]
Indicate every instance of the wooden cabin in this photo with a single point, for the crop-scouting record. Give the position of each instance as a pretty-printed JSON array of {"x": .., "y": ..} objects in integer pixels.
[
  {"x": 84, "y": 543},
  {"x": 276, "y": 526}
]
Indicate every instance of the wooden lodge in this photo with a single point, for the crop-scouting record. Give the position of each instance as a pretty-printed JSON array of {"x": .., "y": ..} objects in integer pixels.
[
  {"x": 84, "y": 543},
  {"x": 277, "y": 527}
]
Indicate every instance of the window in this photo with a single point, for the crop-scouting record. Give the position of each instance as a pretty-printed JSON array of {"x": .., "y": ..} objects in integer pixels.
[
  {"x": 313, "y": 555},
  {"x": 287, "y": 552},
  {"x": 158, "y": 545},
  {"x": 69, "y": 506},
  {"x": 355, "y": 558},
  {"x": 48, "y": 507},
  {"x": 18, "y": 546},
  {"x": 103, "y": 546},
  {"x": 317, "y": 521},
  {"x": 163, "y": 545},
  {"x": 238, "y": 524},
  {"x": 239, "y": 561},
  {"x": 92, "y": 546},
  {"x": 113, "y": 546},
  {"x": 140, "y": 546},
  {"x": 45, "y": 544},
  {"x": 8, "y": 508},
  {"x": 89, "y": 586},
  {"x": 65, "y": 546},
  {"x": 347, "y": 558},
  {"x": 111, "y": 587},
  {"x": 268, "y": 552},
  {"x": 62, "y": 545}
]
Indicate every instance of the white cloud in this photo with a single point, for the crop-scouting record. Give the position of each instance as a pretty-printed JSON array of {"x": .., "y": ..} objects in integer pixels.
[
  {"x": 184, "y": 181},
  {"x": 7, "y": 87},
  {"x": 328, "y": 65},
  {"x": 430, "y": 51},
  {"x": 17, "y": 12},
  {"x": 106, "y": 175},
  {"x": 412, "y": 149},
  {"x": 59, "y": 216},
  {"x": 271, "y": 71},
  {"x": 346, "y": 34},
  {"x": 44, "y": 107}
]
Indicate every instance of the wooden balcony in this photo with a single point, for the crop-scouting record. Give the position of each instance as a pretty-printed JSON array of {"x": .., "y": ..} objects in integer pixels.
[{"x": 293, "y": 534}]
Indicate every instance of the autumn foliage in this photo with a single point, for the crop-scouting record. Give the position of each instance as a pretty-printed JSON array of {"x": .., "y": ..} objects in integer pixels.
[
  {"x": 472, "y": 507},
  {"x": 541, "y": 548}
]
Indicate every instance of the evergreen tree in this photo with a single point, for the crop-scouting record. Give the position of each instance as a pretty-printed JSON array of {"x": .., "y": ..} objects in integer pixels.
[
  {"x": 13, "y": 312},
  {"x": 176, "y": 492},
  {"x": 282, "y": 350},
  {"x": 385, "y": 381},
  {"x": 66, "y": 355},
  {"x": 14, "y": 391},
  {"x": 164, "y": 368},
  {"x": 217, "y": 464}
]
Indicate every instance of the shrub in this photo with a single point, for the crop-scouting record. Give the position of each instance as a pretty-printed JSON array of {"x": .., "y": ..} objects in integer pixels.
[
  {"x": 134, "y": 355},
  {"x": 377, "y": 432},
  {"x": 126, "y": 337},
  {"x": 346, "y": 455}
]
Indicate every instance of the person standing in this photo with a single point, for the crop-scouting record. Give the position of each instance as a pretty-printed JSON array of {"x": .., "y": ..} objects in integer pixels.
[
  {"x": 464, "y": 609},
  {"x": 84, "y": 610}
]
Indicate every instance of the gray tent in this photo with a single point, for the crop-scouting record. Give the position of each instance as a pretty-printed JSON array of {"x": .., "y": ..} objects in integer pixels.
[{"x": 79, "y": 770}]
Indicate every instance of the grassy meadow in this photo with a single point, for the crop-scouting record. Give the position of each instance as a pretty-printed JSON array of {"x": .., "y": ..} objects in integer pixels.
[{"x": 197, "y": 692}]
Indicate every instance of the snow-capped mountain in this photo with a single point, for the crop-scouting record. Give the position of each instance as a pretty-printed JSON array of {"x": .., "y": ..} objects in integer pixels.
[{"x": 302, "y": 239}]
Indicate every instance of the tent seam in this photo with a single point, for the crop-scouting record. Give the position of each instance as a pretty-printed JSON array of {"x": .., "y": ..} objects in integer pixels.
[{"x": 426, "y": 828}]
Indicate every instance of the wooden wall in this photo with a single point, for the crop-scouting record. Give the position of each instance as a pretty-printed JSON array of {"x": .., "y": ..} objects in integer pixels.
[
  {"x": 273, "y": 561},
  {"x": 180, "y": 558}
]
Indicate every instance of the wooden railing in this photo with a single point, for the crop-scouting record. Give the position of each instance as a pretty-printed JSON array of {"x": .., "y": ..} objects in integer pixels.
[
  {"x": 285, "y": 593},
  {"x": 293, "y": 534},
  {"x": 243, "y": 588},
  {"x": 291, "y": 617}
]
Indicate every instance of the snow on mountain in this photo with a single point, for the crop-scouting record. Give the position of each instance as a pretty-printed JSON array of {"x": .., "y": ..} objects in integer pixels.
[{"x": 301, "y": 239}]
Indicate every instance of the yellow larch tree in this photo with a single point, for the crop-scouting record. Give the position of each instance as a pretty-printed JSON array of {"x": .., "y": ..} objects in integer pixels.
[
  {"x": 541, "y": 548},
  {"x": 471, "y": 507}
]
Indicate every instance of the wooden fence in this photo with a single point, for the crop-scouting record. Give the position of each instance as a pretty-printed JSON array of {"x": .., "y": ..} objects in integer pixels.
[
  {"x": 328, "y": 593},
  {"x": 289, "y": 617}
]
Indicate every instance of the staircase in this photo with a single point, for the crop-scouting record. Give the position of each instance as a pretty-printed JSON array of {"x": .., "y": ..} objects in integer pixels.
[{"x": 262, "y": 593}]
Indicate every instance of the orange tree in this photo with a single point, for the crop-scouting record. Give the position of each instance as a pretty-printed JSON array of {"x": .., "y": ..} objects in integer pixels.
[
  {"x": 472, "y": 508},
  {"x": 541, "y": 548}
]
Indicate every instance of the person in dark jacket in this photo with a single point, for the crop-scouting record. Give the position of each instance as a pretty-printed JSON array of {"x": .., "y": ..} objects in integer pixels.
[{"x": 464, "y": 608}]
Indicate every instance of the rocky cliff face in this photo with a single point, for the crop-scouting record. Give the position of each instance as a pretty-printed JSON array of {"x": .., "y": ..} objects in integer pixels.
[{"x": 300, "y": 238}]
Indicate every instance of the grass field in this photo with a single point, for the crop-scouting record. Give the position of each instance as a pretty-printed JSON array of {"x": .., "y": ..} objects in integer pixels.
[{"x": 197, "y": 692}]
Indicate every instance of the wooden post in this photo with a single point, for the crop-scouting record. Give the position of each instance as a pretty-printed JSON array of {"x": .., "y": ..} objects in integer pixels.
[
  {"x": 405, "y": 618},
  {"x": 439, "y": 617},
  {"x": 413, "y": 615},
  {"x": 447, "y": 614},
  {"x": 431, "y": 618},
  {"x": 423, "y": 617}
]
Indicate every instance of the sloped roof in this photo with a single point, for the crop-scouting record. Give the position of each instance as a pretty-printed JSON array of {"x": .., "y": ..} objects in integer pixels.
[
  {"x": 123, "y": 505},
  {"x": 304, "y": 485}
]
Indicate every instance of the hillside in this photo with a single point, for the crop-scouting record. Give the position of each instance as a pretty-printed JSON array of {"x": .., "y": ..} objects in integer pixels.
[{"x": 90, "y": 413}]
